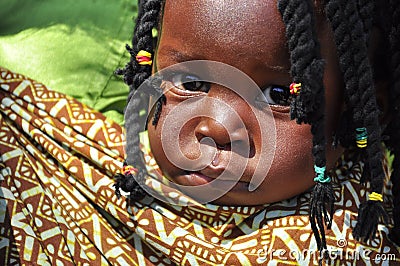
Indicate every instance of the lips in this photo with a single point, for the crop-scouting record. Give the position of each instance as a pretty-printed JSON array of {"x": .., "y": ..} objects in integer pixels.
[
  {"x": 216, "y": 172},
  {"x": 198, "y": 179}
]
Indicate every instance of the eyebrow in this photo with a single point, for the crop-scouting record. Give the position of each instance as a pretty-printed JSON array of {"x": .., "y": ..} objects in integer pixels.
[
  {"x": 180, "y": 56},
  {"x": 278, "y": 68}
]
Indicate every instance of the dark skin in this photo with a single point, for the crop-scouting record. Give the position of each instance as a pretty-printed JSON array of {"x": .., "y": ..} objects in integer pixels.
[{"x": 251, "y": 38}]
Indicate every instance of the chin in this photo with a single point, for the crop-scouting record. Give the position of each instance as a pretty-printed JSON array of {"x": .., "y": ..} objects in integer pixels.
[
  {"x": 231, "y": 198},
  {"x": 235, "y": 199}
]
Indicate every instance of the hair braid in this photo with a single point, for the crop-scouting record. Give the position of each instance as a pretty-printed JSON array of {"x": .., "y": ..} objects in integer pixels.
[
  {"x": 359, "y": 55},
  {"x": 371, "y": 211},
  {"x": 130, "y": 68},
  {"x": 366, "y": 11},
  {"x": 307, "y": 67},
  {"x": 348, "y": 29},
  {"x": 394, "y": 126},
  {"x": 305, "y": 59},
  {"x": 135, "y": 75},
  {"x": 360, "y": 23},
  {"x": 341, "y": 29},
  {"x": 134, "y": 156},
  {"x": 144, "y": 38}
]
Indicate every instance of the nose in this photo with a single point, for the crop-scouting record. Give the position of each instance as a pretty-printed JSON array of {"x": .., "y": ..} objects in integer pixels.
[
  {"x": 227, "y": 121},
  {"x": 219, "y": 133},
  {"x": 228, "y": 135}
]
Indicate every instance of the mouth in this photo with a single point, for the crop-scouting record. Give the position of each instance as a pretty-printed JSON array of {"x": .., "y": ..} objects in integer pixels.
[{"x": 198, "y": 179}]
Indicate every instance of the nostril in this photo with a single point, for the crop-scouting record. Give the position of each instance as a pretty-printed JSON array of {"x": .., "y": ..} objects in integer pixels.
[
  {"x": 211, "y": 142},
  {"x": 212, "y": 133},
  {"x": 244, "y": 148},
  {"x": 207, "y": 141},
  {"x": 225, "y": 147}
]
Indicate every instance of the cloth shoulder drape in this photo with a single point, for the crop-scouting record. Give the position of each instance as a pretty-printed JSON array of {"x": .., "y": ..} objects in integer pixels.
[{"x": 58, "y": 207}]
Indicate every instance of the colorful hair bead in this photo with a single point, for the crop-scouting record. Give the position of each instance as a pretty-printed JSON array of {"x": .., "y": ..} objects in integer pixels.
[
  {"x": 144, "y": 58},
  {"x": 321, "y": 177},
  {"x": 375, "y": 197},
  {"x": 128, "y": 169},
  {"x": 295, "y": 88},
  {"x": 361, "y": 137}
]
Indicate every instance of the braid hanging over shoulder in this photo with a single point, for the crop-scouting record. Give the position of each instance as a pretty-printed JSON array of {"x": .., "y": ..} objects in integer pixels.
[{"x": 137, "y": 73}]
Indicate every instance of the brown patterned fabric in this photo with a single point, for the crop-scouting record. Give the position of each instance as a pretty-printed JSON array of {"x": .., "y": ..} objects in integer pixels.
[{"x": 58, "y": 205}]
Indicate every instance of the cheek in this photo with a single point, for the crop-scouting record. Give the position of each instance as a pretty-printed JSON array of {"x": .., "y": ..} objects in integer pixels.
[
  {"x": 293, "y": 162},
  {"x": 333, "y": 82},
  {"x": 155, "y": 142},
  {"x": 156, "y": 139},
  {"x": 291, "y": 171},
  {"x": 334, "y": 89},
  {"x": 179, "y": 140},
  {"x": 334, "y": 103},
  {"x": 188, "y": 142}
]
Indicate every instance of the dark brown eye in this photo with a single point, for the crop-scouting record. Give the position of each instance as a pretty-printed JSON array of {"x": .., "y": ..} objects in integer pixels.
[
  {"x": 277, "y": 95},
  {"x": 190, "y": 82}
]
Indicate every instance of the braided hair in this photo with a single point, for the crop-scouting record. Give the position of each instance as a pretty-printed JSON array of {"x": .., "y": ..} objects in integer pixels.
[
  {"x": 307, "y": 67},
  {"x": 135, "y": 75},
  {"x": 352, "y": 24}
]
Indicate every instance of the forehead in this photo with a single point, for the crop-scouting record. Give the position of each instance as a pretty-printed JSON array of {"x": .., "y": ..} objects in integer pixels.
[
  {"x": 227, "y": 27},
  {"x": 228, "y": 19}
]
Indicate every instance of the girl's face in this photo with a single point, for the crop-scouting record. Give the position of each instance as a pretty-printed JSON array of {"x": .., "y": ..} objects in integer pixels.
[{"x": 249, "y": 36}]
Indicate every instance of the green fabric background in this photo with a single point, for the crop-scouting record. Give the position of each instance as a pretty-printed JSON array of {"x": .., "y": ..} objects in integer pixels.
[{"x": 71, "y": 46}]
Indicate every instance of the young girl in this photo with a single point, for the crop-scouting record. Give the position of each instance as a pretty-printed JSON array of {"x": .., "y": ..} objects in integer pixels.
[
  {"x": 223, "y": 175},
  {"x": 328, "y": 64}
]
